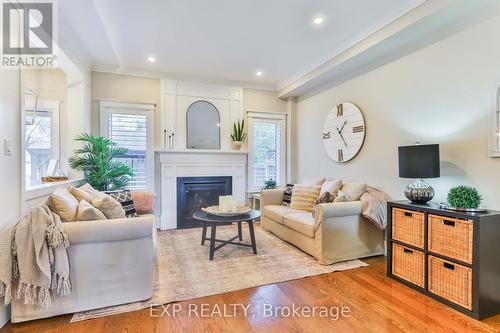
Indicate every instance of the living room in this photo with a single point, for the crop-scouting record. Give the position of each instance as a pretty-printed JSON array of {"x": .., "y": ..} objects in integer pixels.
[{"x": 251, "y": 166}]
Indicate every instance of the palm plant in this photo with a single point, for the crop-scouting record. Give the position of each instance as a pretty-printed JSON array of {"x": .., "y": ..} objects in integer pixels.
[
  {"x": 97, "y": 161},
  {"x": 238, "y": 131}
]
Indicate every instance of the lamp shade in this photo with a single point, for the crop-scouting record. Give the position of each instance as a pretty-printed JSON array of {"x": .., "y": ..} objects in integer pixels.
[{"x": 419, "y": 161}]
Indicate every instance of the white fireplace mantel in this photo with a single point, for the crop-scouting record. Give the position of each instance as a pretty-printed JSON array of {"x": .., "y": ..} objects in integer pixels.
[{"x": 173, "y": 163}]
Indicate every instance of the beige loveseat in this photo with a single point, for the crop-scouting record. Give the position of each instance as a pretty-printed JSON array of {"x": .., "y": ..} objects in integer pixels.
[
  {"x": 111, "y": 263},
  {"x": 338, "y": 232}
]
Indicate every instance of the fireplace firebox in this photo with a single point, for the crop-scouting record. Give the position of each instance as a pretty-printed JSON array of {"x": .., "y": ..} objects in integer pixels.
[{"x": 193, "y": 193}]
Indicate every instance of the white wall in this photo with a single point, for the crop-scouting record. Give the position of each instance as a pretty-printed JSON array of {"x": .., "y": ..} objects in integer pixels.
[
  {"x": 10, "y": 168},
  {"x": 441, "y": 94},
  {"x": 262, "y": 101}
]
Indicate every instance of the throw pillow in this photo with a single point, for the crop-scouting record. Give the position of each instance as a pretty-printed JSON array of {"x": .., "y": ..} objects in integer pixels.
[
  {"x": 64, "y": 204},
  {"x": 354, "y": 190},
  {"x": 331, "y": 186},
  {"x": 326, "y": 197},
  {"x": 304, "y": 197},
  {"x": 85, "y": 192},
  {"x": 315, "y": 181},
  {"x": 125, "y": 199},
  {"x": 87, "y": 212},
  {"x": 287, "y": 196},
  {"x": 143, "y": 202},
  {"x": 111, "y": 208},
  {"x": 342, "y": 197}
]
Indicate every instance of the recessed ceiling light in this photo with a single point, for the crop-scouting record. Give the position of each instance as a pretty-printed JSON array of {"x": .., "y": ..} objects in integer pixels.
[
  {"x": 318, "y": 20},
  {"x": 259, "y": 73},
  {"x": 151, "y": 59}
]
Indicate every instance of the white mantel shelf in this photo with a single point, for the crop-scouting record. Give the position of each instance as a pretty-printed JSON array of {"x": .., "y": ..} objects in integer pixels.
[
  {"x": 200, "y": 151},
  {"x": 171, "y": 164}
]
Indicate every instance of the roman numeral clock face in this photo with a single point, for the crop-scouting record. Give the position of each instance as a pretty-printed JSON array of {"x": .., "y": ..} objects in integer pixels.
[{"x": 344, "y": 132}]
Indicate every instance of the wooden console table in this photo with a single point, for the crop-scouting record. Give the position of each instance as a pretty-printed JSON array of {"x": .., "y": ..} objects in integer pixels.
[{"x": 453, "y": 257}]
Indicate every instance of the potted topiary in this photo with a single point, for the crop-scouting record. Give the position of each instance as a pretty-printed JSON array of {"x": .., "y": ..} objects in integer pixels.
[
  {"x": 97, "y": 160},
  {"x": 238, "y": 135},
  {"x": 269, "y": 184},
  {"x": 464, "y": 198}
]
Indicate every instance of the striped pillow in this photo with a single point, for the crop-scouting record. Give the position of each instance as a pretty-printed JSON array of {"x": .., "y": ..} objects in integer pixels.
[{"x": 304, "y": 197}]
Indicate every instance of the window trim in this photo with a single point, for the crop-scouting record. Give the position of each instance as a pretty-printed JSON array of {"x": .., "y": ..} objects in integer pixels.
[
  {"x": 494, "y": 133},
  {"x": 274, "y": 117},
  {"x": 146, "y": 109}
]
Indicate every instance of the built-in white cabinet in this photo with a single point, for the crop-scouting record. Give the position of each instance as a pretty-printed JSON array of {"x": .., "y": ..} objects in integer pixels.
[{"x": 177, "y": 97}]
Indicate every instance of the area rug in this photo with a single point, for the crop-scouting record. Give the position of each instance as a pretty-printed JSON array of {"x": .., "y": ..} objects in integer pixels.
[{"x": 184, "y": 271}]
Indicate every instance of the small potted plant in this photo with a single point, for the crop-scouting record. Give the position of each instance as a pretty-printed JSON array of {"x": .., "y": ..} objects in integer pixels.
[
  {"x": 269, "y": 184},
  {"x": 238, "y": 135},
  {"x": 464, "y": 197}
]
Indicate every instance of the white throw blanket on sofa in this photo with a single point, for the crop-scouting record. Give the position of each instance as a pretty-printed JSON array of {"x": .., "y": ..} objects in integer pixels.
[
  {"x": 375, "y": 206},
  {"x": 33, "y": 253}
]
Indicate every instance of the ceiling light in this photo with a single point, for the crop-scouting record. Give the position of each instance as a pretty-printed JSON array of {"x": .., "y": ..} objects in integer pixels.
[
  {"x": 259, "y": 73},
  {"x": 151, "y": 59},
  {"x": 318, "y": 20}
]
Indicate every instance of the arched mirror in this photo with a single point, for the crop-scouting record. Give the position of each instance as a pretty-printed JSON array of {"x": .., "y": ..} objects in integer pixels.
[{"x": 203, "y": 126}]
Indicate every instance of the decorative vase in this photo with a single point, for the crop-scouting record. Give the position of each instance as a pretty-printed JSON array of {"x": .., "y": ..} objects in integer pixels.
[
  {"x": 236, "y": 145},
  {"x": 419, "y": 192}
]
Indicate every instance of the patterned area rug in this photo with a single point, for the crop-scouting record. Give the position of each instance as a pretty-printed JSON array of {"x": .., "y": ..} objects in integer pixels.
[{"x": 184, "y": 271}]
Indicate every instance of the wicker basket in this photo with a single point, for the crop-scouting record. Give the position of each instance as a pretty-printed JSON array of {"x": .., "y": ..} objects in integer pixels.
[
  {"x": 408, "y": 264},
  {"x": 451, "y": 281},
  {"x": 451, "y": 237},
  {"x": 408, "y": 227}
]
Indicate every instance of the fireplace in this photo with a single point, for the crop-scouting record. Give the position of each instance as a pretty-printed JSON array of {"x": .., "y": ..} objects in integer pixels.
[{"x": 193, "y": 193}]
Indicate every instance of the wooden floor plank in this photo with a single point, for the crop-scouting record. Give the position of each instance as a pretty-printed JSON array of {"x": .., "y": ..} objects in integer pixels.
[{"x": 376, "y": 303}]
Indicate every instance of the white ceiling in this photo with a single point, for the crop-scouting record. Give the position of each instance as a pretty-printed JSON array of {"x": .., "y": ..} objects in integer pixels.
[{"x": 223, "y": 40}]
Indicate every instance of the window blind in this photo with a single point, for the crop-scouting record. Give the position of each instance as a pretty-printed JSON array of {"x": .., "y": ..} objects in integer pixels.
[{"x": 130, "y": 131}]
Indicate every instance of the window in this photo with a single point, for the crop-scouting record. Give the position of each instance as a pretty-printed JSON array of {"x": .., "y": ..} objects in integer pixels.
[
  {"x": 41, "y": 135},
  {"x": 495, "y": 127},
  {"x": 131, "y": 126},
  {"x": 267, "y": 149}
]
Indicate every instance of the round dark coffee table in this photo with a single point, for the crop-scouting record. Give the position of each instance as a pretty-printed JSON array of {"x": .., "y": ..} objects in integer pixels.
[{"x": 213, "y": 221}]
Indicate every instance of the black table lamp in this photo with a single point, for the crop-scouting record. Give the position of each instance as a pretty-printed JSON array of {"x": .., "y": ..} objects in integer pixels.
[{"x": 419, "y": 161}]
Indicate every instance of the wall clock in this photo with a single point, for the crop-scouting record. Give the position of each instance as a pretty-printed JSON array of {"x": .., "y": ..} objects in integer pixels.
[{"x": 344, "y": 132}]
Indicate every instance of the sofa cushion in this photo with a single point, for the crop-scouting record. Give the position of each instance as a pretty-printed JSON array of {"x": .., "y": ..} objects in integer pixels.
[
  {"x": 64, "y": 204},
  {"x": 111, "y": 208},
  {"x": 278, "y": 212},
  {"x": 304, "y": 197},
  {"x": 301, "y": 222},
  {"x": 354, "y": 190},
  {"x": 87, "y": 212},
  {"x": 124, "y": 197},
  {"x": 287, "y": 195},
  {"x": 85, "y": 192},
  {"x": 331, "y": 186}
]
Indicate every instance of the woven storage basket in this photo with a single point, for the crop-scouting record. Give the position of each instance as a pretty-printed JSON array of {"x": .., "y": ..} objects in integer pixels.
[
  {"x": 408, "y": 264},
  {"x": 408, "y": 227},
  {"x": 450, "y": 281},
  {"x": 451, "y": 237}
]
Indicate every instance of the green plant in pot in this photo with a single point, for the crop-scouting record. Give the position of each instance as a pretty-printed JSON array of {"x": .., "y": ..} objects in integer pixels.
[
  {"x": 238, "y": 135},
  {"x": 269, "y": 184},
  {"x": 97, "y": 160},
  {"x": 464, "y": 197}
]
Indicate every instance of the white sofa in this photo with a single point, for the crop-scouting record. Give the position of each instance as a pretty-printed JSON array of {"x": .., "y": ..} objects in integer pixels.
[
  {"x": 338, "y": 231},
  {"x": 111, "y": 262}
]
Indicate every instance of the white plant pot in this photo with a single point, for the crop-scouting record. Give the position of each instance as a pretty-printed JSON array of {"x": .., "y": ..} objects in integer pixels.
[{"x": 236, "y": 145}]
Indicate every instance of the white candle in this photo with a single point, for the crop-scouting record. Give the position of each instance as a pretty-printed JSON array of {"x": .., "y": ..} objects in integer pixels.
[{"x": 225, "y": 203}]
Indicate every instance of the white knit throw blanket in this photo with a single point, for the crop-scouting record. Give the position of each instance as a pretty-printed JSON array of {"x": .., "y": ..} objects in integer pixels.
[{"x": 33, "y": 254}]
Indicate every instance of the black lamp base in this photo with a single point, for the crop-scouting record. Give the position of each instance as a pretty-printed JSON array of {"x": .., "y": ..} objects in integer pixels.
[{"x": 419, "y": 192}]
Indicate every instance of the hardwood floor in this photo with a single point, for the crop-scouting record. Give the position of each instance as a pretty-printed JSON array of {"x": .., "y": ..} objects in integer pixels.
[{"x": 376, "y": 303}]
